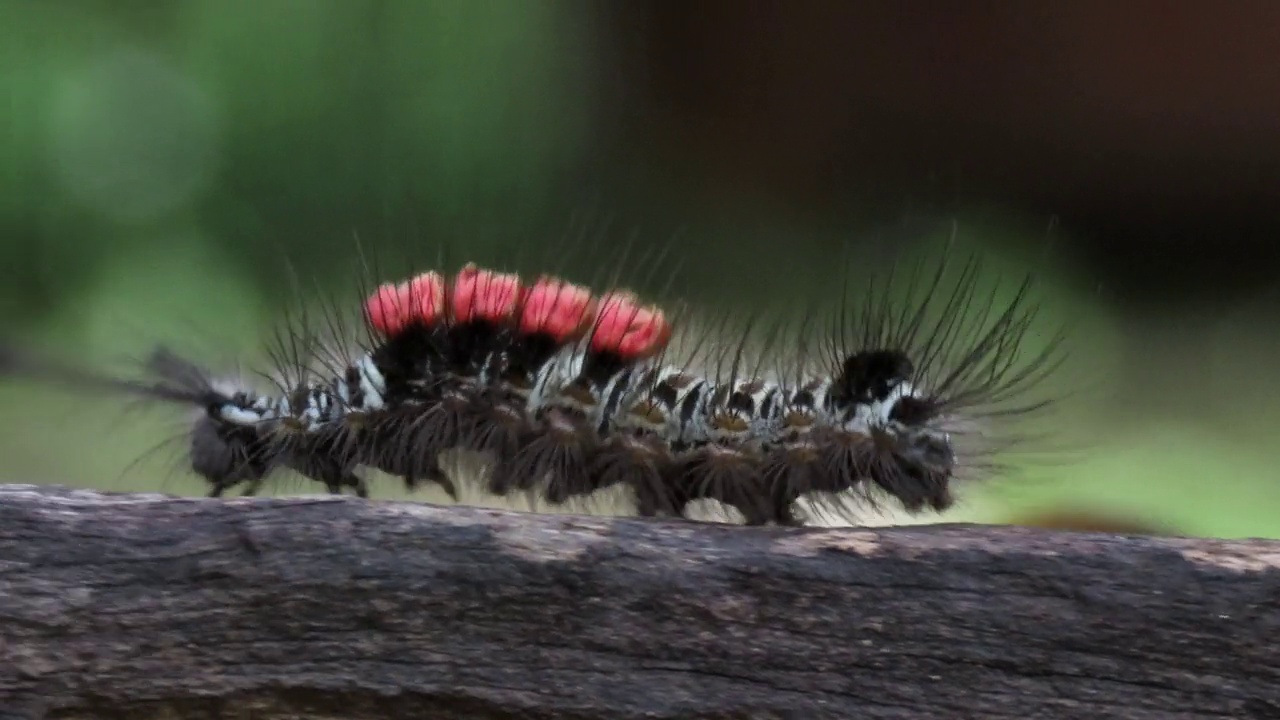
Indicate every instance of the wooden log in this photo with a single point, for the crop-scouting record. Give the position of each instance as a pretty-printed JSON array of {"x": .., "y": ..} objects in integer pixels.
[{"x": 147, "y": 606}]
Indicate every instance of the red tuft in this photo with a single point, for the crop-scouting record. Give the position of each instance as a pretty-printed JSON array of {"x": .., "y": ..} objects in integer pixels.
[
  {"x": 561, "y": 310},
  {"x": 393, "y": 307},
  {"x": 485, "y": 295},
  {"x": 626, "y": 328}
]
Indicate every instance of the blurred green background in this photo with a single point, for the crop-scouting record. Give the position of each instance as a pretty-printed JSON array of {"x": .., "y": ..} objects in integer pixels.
[{"x": 168, "y": 167}]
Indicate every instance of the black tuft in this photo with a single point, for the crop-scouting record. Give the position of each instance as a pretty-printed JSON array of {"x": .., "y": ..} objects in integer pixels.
[
  {"x": 913, "y": 411},
  {"x": 870, "y": 375}
]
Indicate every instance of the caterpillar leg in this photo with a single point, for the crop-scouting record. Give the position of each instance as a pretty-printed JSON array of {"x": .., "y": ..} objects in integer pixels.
[
  {"x": 348, "y": 479},
  {"x": 432, "y": 473}
]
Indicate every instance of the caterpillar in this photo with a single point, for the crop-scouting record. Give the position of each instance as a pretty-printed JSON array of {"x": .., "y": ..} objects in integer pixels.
[{"x": 565, "y": 390}]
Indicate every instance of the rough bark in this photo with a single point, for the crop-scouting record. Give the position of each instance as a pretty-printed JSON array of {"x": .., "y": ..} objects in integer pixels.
[{"x": 147, "y": 606}]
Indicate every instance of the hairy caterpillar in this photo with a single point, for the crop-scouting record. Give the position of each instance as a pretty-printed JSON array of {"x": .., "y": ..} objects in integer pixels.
[{"x": 566, "y": 390}]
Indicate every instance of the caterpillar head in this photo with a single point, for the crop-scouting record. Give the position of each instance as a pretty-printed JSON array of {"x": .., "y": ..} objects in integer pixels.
[{"x": 912, "y": 455}]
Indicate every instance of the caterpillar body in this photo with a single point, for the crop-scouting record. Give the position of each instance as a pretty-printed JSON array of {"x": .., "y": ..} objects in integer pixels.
[{"x": 565, "y": 392}]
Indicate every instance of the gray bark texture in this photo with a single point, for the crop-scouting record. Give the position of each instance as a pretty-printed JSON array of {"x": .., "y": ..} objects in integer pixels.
[{"x": 147, "y": 606}]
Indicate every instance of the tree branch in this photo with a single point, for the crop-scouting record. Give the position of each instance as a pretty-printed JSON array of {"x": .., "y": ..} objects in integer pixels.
[{"x": 133, "y": 606}]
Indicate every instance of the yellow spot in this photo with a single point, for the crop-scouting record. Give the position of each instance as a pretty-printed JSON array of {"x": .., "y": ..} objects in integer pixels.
[
  {"x": 797, "y": 419},
  {"x": 729, "y": 423},
  {"x": 650, "y": 412}
]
